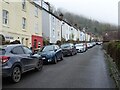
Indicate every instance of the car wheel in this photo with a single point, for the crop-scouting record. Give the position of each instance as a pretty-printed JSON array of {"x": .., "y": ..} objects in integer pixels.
[
  {"x": 76, "y": 52},
  {"x": 72, "y": 53},
  {"x": 55, "y": 60},
  {"x": 39, "y": 65},
  {"x": 62, "y": 57},
  {"x": 16, "y": 75}
]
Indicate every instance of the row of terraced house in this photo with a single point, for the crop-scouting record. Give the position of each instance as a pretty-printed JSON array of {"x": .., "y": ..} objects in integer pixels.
[{"x": 29, "y": 21}]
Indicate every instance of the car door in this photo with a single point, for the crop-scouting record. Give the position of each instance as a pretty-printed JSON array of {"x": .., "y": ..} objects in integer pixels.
[
  {"x": 74, "y": 48},
  {"x": 29, "y": 58},
  {"x": 18, "y": 52},
  {"x": 58, "y": 51}
]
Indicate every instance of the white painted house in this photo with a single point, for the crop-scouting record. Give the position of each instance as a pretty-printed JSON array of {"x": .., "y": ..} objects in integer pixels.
[
  {"x": 45, "y": 21},
  {"x": 78, "y": 34},
  {"x": 66, "y": 30},
  {"x": 82, "y": 36},
  {"x": 51, "y": 24},
  {"x": 58, "y": 29},
  {"x": 55, "y": 28},
  {"x": 75, "y": 34},
  {"x": 88, "y": 37}
]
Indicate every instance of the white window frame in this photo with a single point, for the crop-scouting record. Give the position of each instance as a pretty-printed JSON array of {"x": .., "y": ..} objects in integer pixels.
[
  {"x": 23, "y": 4},
  {"x": 23, "y": 23},
  {"x": 36, "y": 11},
  {"x": 5, "y": 17}
]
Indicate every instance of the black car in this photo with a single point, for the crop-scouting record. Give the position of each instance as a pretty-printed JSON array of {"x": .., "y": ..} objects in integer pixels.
[
  {"x": 68, "y": 49},
  {"x": 17, "y": 59},
  {"x": 51, "y": 53}
]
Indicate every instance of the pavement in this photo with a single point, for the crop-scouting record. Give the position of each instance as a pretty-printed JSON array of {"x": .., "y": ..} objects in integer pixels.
[{"x": 84, "y": 70}]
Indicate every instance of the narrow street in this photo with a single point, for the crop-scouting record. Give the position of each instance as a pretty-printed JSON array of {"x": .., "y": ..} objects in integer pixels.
[{"x": 84, "y": 70}]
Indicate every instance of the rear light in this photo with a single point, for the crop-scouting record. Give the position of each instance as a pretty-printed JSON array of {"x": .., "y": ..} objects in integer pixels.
[{"x": 4, "y": 59}]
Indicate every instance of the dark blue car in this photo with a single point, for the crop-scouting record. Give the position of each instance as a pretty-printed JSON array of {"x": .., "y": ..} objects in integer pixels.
[
  {"x": 17, "y": 59},
  {"x": 69, "y": 49},
  {"x": 51, "y": 53}
]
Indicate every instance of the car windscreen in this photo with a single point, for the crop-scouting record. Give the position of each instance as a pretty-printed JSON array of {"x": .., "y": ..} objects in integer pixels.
[
  {"x": 65, "y": 46},
  {"x": 47, "y": 48},
  {"x": 79, "y": 45}
]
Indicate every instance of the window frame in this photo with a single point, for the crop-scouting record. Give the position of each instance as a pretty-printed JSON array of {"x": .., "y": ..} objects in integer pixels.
[
  {"x": 23, "y": 23},
  {"x": 36, "y": 11},
  {"x": 23, "y": 5},
  {"x": 5, "y": 16}
]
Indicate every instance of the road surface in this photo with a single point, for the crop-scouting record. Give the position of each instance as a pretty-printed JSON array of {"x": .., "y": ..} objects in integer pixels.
[{"x": 84, "y": 70}]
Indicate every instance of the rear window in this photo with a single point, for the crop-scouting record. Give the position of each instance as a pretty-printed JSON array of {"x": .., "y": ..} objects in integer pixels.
[{"x": 65, "y": 46}]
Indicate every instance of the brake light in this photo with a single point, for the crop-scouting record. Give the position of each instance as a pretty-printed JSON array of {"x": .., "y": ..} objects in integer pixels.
[{"x": 4, "y": 59}]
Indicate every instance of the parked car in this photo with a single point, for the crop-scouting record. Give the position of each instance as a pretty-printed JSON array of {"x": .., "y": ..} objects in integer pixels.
[
  {"x": 80, "y": 47},
  {"x": 51, "y": 53},
  {"x": 93, "y": 43},
  {"x": 85, "y": 46},
  {"x": 68, "y": 49},
  {"x": 99, "y": 43},
  {"x": 17, "y": 59},
  {"x": 89, "y": 45}
]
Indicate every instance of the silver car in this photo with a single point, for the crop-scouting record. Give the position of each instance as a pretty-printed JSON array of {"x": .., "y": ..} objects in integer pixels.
[{"x": 80, "y": 47}]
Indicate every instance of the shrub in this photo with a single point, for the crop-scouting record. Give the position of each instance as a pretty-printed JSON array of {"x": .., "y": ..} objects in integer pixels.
[
  {"x": 113, "y": 49},
  {"x": 45, "y": 42},
  {"x": 58, "y": 43},
  {"x": 63, "y": 41}
]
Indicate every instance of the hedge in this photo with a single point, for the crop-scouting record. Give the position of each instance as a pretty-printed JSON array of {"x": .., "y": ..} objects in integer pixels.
[{"x": 113, "y": 49}]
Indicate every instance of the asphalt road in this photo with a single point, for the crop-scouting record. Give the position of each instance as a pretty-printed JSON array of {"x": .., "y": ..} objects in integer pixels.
[{"x": 84, "y": 70}]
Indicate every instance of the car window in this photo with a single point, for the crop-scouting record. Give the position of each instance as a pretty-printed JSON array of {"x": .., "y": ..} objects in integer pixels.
[
  {"x": 55, "y": 47},
  {"x": 17, "y": 50},
  {"x": 48, "y": 48},
  {"x": 65, "y": 45},
  {"x": 2, "y": 51},
  {"x": 79, "y": 45},
  {"x": 27, "y": 50}
]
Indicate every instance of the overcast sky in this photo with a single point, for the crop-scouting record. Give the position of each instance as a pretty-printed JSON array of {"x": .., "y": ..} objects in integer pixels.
[{"x": 101, "y": 10}]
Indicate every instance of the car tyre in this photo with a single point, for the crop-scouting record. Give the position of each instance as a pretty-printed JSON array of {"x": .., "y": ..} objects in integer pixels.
[
  {"x": 72, "y": 53},
  {"x": 16, "y": 75},
  {"x": 62, "y": 57},
  {"x": 55, "y": 60},
  {"x": 76, "y": 53},
  {"x": 39, "y": 65}
]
